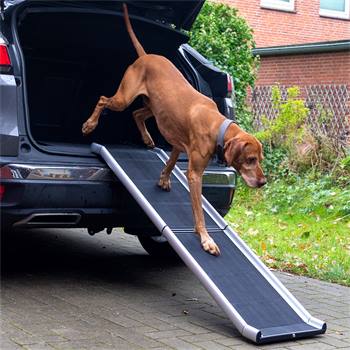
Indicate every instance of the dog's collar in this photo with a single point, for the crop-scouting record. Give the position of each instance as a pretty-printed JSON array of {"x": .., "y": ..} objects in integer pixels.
[{"x": 220, "y": 158}]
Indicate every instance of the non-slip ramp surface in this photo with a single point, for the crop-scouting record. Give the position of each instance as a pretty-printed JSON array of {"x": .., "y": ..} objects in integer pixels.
[
  {"x": 259, "y": 306},
  {"x": 143, "y": 168}
]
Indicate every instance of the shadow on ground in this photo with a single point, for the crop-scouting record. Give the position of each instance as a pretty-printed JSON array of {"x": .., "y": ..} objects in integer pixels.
[{"x": 73, "y": 253}]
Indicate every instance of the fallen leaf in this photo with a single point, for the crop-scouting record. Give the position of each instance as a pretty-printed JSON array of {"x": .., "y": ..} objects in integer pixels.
[
  {"x": 252, "y": 232},
  {"x": 270, "y": 261},
  {"x": 304, "y": 246}
]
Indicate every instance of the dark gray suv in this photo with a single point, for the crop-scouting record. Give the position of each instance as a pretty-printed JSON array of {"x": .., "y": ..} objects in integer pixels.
[{"x": 56, "y": 59}]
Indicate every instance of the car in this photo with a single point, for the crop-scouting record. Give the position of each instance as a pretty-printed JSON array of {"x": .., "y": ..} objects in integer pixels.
[{"x": 56, "y": 59}]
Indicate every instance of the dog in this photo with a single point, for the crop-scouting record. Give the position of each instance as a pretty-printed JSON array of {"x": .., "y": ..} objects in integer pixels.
[{"x": 188, "y": 120}]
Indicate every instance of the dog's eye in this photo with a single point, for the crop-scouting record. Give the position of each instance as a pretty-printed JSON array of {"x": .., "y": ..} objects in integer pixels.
[{"x": 251, "y": 160}]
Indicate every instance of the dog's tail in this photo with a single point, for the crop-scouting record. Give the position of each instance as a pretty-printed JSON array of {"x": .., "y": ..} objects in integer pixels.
[{"x": 139, "y": 49}]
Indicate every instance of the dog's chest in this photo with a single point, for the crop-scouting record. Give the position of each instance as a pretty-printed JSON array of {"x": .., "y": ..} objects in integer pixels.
[{"x": 173, "y": 132}]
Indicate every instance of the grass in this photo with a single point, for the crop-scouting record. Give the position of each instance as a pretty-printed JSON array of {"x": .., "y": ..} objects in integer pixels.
[{"x": 298, "y": 225}]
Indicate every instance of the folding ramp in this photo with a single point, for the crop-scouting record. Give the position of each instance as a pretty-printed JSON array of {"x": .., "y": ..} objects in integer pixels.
[{"x": 257, "y": 303}]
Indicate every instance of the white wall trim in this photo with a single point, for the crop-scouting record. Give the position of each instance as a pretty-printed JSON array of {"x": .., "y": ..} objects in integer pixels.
[
  {"x": 278, "y": 5},
  {"x": 337, "y": 14}
]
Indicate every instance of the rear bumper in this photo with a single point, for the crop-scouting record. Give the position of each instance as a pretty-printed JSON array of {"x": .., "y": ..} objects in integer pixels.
[{"x": 81, "y": 196}]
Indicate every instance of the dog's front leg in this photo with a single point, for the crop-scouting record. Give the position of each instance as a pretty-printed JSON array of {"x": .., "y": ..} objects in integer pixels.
[
  {"x": 164, "y": 181},
  {"x": 194, "y": 177}
]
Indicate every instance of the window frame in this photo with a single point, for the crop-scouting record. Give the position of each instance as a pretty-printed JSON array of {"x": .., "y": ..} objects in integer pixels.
[
  {"x": 278, "y": 5},
  {"x": 337, "y": 14}
]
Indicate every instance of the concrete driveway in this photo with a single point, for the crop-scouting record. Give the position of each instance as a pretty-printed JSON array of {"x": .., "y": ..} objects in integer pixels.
[{"x": 62, "y": 289}]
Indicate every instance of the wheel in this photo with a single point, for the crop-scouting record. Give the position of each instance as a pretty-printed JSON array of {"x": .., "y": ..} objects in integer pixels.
[{"x": 157, "y": 246}]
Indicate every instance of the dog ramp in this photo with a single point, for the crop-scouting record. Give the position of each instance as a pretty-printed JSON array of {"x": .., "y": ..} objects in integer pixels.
[{"x": 257, "y": 303}]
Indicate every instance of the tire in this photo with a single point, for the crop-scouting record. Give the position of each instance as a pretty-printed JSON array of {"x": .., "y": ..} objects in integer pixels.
[{"x": 157, "y": 246}]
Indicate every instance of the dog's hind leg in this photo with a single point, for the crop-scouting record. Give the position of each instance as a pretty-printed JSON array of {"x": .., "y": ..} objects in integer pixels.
[
  {"x": 131, "y": 86},
  {"x": 140, "y": 116},
  {"x": 164, "y": 181}
]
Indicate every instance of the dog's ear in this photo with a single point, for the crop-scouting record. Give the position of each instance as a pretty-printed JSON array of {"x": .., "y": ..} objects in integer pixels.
[{"x": 232, "y": 149}]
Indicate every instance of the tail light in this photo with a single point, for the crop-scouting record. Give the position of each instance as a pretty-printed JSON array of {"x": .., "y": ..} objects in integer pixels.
[
  {"x": 5, "y": 62},
  {"x": 2, "y": 192},
  {"x": 5, "y": 174},
  {"x": 229, "y": 85}
]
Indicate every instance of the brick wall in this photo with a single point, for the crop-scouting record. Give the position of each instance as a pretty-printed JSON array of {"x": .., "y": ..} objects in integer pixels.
[
  {"x": 321, "y": 68},
  {"x": 274, "y": 28}
]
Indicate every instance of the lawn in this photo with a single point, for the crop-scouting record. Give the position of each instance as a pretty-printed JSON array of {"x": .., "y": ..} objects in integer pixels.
[{"x": 299, "y": 225}]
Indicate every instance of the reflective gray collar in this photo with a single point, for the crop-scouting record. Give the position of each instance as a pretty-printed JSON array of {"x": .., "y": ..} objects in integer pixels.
[{"x": 220, "y": 141}]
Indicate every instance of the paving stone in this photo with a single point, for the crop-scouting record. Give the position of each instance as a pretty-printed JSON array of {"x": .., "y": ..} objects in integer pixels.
[
  {"x": 39, "y": 346},
  {"x": 79, "y": 295},
  {"x": 211, "y": 345},
  {"x": 342, "y": 321},
  {"x": 246, "y": 346},
  {"x": 269, "y": 347},
  {"x": 339, "y": 344},
  {"x": 338, "y": 335},
  {"x": 168, "y": 334},
  {"x": 115, "y": 342},
  {"x": 7, "y": 344},
  {"x": 179, "y": 344},
  {"x": 201, "y": 337},
  {"x": 182, "y": 322},
  {"x": 313, "y": 346},
  {"x": 138, "y": 339},
  {"x": 142, "y": 330},
  {"x": 230, "y": 341}
]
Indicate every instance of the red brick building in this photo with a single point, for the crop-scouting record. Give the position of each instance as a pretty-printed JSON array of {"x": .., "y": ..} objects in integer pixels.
[
  {"x": 304, "y": 43},
  {"x": 299, "y": 42}
]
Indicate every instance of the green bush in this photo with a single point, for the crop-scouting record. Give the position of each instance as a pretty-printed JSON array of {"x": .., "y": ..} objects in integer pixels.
[
  {"x": 226, "y": 39},
  {"x": 291, "y": 147},
  {"x": 288, "y": 128},
  {"x": 284, "y": 135}
]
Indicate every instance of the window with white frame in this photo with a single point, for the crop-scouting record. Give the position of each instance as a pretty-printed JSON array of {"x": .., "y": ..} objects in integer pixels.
[
  {"x": 335, "y": 8},
  {"x": 284, "y": 5}
]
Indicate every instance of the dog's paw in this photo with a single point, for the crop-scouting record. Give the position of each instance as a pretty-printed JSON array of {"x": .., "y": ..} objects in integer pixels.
[
  {"x": 88, "y": 127},
  {"x": 164, "y": 184},
  {"x": 210, "y": 247},
  {"x": 148, "y": 141}
]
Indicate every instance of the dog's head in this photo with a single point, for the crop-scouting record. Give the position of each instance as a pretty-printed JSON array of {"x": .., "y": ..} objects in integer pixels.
[{"x": 244, "y": 153}]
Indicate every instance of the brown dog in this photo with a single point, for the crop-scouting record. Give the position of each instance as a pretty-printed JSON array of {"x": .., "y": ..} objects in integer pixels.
[{"x": 188, "y": 120}]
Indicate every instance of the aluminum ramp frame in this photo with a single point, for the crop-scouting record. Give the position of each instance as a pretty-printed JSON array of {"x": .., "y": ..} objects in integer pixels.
[{"x": 257, "y": 303}]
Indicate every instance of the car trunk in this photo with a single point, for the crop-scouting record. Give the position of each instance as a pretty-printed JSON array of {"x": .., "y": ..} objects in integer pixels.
[{"x": 71, "y": 59}]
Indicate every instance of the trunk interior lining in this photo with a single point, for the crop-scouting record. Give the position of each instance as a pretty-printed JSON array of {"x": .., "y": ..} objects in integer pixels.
[{"x": 72, "y": 59}]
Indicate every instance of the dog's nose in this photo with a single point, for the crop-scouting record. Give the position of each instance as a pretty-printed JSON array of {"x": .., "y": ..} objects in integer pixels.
[{"x": 262, "y": 182}]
